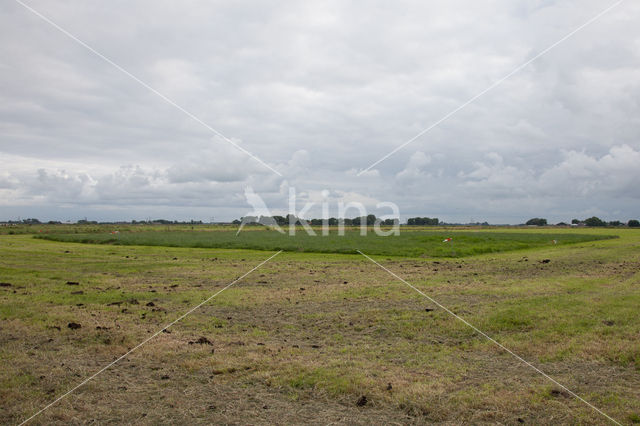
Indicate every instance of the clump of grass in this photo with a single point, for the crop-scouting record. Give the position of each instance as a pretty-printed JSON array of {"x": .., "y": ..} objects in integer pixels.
[{"x": 332, "y": 380}]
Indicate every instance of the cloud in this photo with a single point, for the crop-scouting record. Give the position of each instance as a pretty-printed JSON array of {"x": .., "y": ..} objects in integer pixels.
[
  {"x": 494, "y": 178},
  {"x": 320, "y": 91},
  {"x": 415, "y": 168},
  {"x": 577, "y": 174},
  {"x": 212, "y": 169},
  {"x": 615, "y": 174},
  {"x": 175, "y": 76},
  {"x": 7, "y": 181}
]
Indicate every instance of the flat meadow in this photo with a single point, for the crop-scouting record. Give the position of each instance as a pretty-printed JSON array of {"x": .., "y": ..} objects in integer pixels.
[
  {"x": 319, "y": 333},
  {"x": 410, "y": 243}
]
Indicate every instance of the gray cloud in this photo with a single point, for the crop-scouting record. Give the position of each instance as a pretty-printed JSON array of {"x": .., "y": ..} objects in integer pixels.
[{"x": 320, "y": 91}]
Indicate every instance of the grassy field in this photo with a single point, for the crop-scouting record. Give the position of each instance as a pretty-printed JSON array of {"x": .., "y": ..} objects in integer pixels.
[
  {"x": 321, "y": 337},
  {"x": 411, "y": 243}
]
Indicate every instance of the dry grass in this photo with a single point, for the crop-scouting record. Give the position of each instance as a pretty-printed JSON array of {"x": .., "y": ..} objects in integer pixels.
[{"x": 304, "y": 338}]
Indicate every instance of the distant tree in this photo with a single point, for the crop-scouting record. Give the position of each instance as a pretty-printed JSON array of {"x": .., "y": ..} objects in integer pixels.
[
  {"x": 291, "y": 220},
  {"x": 250, "y": 219},
  {"x": 280, "y": 220},
  {"x": 315, "y": 222},
  {"x": 333, "y": 221},
  {"x": 561, "y": 224},
  {"x": 594, "y": 221},
  {"x": 423, "y": 221},
  {"x": 364, "y": 220},
  {"x": 575, "y": 221},
  {"x": 266, "y": 220},
  {"x": 633, "y": 223},
  {"x": 537, "y": 221},
  {"x": 390, "y": 222},
  {"x": 236, "y": 222},
  {"x": 615, "y": 223}
]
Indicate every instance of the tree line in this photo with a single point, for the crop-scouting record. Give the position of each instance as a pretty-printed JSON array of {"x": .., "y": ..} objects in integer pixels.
[
  {"x": 368, "y": 220},
  {"x": 592, "y": 221}
]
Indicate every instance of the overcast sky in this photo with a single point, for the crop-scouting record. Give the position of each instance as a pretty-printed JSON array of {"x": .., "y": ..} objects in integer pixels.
[{"x": 320, "y": 91}]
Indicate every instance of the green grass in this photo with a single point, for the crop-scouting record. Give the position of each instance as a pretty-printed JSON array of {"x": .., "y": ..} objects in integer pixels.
[
  {"x": 408, "y": 243},
  {"x": 323, "y": 329}
]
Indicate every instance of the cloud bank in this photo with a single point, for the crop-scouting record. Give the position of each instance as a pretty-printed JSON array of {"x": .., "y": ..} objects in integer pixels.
[{"x": 319, "y": 92}]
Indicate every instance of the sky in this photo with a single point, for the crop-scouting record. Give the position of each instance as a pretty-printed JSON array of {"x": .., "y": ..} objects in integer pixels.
[{"x": 133, "y": 110}]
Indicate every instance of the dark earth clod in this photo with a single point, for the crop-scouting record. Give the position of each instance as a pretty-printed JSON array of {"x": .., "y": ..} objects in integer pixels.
[
  {"x": 560, "y": 392},
  {"x": 201, "y": 341}
]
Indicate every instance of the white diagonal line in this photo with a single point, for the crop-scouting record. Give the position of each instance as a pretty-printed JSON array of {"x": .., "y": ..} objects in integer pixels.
[
  {"x": 519, "y": 358},
  {"x": 491, "y": 87},
  {"x": 142, "y": 83},
  {"x": 147, "y": 339}
]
